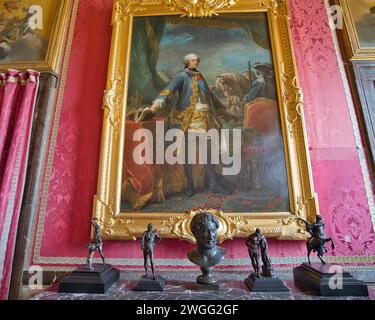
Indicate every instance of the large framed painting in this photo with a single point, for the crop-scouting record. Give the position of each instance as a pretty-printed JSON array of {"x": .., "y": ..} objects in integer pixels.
[
  {"x": 32, "y": 33},
  {"x": 359, "y": 37},
  {"x": 215, "y": 74}
]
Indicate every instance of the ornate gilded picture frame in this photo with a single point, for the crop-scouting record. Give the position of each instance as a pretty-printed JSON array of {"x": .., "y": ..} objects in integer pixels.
[
  {"x": 33, "y": 33},
  {"x": 359, "y": 26},
  {"x": 122, "y": 204}
]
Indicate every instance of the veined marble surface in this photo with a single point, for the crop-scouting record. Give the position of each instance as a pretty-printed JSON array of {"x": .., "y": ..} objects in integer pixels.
[{"x": 181, "y": 285}]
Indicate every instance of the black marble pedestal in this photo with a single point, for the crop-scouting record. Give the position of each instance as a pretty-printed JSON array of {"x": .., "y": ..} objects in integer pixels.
[
  {"x": 149, "y": 284},
  {"x": 265, "y": 284},
  {"x": 327, "y": 280},
  {"x": 84, "y": 280},
  {"x": 208, "y": 287}
]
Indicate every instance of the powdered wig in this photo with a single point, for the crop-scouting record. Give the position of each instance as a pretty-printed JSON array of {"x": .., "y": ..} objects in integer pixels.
[{"x": 190, "y": 56}]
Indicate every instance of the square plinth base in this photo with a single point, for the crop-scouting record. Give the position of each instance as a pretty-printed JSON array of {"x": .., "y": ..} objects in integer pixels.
[
  {"x": 84, "y": 280},
  {"x": 149, "y": 284},
  {"x": 208, "y": 287},
  {"x": 265, "y": 284},
  {"x": 327, "y": 280}
]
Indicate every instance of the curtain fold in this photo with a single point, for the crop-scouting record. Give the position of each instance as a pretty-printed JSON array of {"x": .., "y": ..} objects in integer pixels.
[{"x": 18, "y": 91}]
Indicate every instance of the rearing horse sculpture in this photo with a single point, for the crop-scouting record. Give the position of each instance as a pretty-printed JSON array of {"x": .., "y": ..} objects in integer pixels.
[{"x": 317, "y": 241}]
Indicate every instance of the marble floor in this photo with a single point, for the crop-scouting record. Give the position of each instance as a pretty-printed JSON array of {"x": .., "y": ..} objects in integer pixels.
[{"x": 181, "y": 286}]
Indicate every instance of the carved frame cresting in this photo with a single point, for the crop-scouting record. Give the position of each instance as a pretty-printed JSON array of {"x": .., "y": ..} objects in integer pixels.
[
  {"x": 56, "y": 43},
  {"x": 303, "y": 200}
]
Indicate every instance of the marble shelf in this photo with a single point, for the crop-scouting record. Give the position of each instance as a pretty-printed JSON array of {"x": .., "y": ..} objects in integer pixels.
[{"x": 181, "y": 286}]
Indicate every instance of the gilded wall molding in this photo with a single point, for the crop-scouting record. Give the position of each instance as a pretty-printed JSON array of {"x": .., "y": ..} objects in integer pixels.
[
  {"x": 293, "y": 97},
  {"x": 112, "y": 101},
  {"x": 272, "y": 4},
  {"x": 199, "y": 8}
]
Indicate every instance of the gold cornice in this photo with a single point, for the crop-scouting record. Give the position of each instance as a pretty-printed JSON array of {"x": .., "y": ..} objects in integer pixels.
[
  {"x": 199, "y": 8},
  {"x": 272, "y": 4},
  {"x": 124, "y": 8}
]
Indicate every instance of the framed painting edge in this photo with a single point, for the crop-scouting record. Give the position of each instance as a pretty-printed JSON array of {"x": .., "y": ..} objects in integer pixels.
[
  {"x": 129, "y": 226},
  {"x": 55, "y": 49},
  {"x": 350, "y": 36}
]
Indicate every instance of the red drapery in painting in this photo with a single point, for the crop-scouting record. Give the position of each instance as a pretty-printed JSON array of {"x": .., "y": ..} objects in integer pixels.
[{"x": 18, "y": 93}]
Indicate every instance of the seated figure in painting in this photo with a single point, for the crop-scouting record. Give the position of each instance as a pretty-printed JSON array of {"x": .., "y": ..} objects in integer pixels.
[{"x": 197, "y": 109}]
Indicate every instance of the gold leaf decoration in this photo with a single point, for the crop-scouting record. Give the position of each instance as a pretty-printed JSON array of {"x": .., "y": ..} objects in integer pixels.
[
  {"x": 227, "y": 230},
  {"x": 200, "y": 8},
  {"x": 293, "y": 98},
  {"x": 112, "y": 101},
  {"x": 273, "y": 4},
  {"x": 123, "y": 9}
]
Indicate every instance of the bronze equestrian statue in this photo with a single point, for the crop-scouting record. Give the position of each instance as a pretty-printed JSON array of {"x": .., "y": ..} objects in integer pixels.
[{"x": 317, "y": 241}]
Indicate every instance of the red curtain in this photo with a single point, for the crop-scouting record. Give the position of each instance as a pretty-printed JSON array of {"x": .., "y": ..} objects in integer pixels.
[{"x": 18, "y": 93}]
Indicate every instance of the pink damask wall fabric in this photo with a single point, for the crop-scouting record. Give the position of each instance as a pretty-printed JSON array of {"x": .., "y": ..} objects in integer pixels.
[
  {"x": 335, "y": 164},
  {"x": 336, "y": 168},
  {"x": 17, "y": 100}
]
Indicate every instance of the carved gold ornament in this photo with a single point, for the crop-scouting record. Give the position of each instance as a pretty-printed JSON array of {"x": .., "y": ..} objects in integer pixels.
[
  {"x": 272, "y": 4},
  {"x": 227, "y": 229},
  {"x": 112, "y": 101},
  {"x": 293, "y": 98},
  {"x": 200, "y": 8}
]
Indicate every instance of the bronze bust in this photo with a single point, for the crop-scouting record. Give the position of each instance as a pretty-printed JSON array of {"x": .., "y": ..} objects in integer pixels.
[{"x": 204, "y": 228}]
